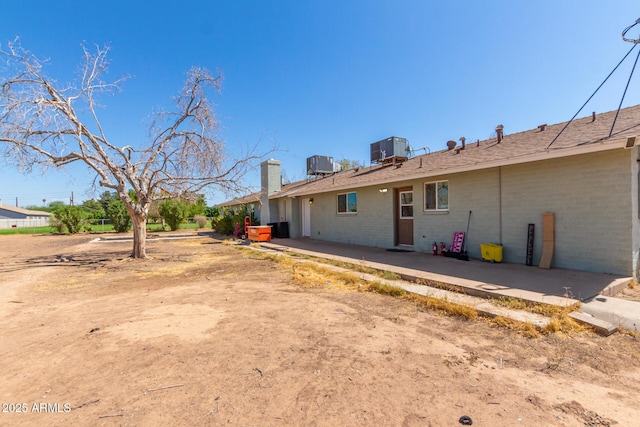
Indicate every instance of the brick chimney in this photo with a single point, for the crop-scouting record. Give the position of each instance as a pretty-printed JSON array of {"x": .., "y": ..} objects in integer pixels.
[{"x": 271, "y": 183}]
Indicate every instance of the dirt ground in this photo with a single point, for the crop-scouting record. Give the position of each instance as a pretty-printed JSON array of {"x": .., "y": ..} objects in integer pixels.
[{"x": 206, "y": 334}]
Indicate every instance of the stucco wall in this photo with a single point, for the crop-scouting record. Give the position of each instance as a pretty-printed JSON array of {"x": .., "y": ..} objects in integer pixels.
[{"x": 590, "y": 195}]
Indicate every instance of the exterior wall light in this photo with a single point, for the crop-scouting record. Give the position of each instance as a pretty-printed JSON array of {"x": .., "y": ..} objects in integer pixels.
[
  {"x": 311, "y": 201},
  {"x": 383, "y": 190}
]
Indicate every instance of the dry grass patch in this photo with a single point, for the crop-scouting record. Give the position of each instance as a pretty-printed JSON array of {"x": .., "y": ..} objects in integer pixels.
[
  {"x": 70, "y": 283},
  {"x": 526, "y": 329},
  {"x": 443, "y": 306},
  {"x": 360, "y": 268},
  {"x": 440, "y": 285},
  {"x": 307, "y": 272},
  {"x": 386, "y": 289},
  {"x": 560, "y": 320}
]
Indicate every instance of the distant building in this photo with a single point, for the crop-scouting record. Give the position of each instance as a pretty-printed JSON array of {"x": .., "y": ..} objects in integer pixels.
[{"x": 13, "y": 217}]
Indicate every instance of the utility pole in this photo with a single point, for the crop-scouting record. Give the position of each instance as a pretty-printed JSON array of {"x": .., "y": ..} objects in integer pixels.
[{"x": 72, "y": 198}]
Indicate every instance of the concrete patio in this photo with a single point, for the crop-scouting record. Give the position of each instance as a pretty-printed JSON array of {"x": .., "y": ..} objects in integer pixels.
[
  {"x": 531, "y": 283},
  {"x": 551, "y": 286}
]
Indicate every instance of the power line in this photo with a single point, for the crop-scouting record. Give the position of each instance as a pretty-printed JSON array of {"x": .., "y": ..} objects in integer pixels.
[{"x": 592, "y": 95}]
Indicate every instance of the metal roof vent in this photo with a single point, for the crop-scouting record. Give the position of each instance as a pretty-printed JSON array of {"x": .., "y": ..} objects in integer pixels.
[{"x": 500, "y": 133}]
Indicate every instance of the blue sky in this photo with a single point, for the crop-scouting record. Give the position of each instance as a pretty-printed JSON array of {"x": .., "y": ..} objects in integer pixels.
[{"x": 331, "y": 77}]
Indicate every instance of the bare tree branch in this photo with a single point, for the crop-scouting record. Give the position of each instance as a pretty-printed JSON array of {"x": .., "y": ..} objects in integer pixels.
[{"x": 40, "y": 127}]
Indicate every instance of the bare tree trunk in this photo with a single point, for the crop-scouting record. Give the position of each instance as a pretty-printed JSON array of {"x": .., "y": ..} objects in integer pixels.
[{"x": 139, "y": 236}]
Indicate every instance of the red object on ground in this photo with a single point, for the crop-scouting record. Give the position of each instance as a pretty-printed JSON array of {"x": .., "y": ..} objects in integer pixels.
[
  {"x": 247, "y": 224},
  {"x": 259, "y": 233}
]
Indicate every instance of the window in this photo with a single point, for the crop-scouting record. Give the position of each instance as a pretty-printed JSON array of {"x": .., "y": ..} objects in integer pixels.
[
  {"x": 436, "y": 196},
  {"x": 347, "y": 203},
  {"x": 406, "y": 204}
]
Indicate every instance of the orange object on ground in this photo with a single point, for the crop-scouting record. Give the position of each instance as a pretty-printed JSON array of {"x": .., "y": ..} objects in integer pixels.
[{"x": 259, "y": 233}]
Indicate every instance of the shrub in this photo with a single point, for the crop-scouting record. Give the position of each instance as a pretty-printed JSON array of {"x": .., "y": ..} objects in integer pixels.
[
  {"x": 73, "y": 219},
  {"x": 224, "y": 224},
  {"x": 212, "y": 212},
  {"x": 119, "y": 215},
  {"x": 174, "y": 213},
  {"x": 232, "y": 222},
  {"x": 200, "y": 220},
  {"x": 94, "y": 209},
  {"x": 57, "y": 224}
]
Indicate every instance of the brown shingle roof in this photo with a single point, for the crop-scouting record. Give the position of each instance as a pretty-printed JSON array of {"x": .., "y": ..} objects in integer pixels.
[
  {"x": 244, "y": 200},
  {"x": 580, "y": 136},
  {"x": 255, "y": 197}
]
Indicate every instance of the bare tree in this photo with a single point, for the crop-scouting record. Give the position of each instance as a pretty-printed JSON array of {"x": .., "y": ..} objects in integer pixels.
[{"x": 42, "y": 125}]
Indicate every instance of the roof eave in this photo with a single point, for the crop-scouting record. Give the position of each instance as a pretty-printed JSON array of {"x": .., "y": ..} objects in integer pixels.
[{"x": 545, "y": 155}]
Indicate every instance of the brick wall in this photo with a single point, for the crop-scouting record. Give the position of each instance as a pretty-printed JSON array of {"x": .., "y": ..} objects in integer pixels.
[{"x": 590, "y": 195}]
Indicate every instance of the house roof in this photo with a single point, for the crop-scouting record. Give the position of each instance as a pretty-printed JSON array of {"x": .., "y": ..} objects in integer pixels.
[
  {"x": 22, "y": 211},
  {"x": 255, "y": 197},
  {"x": 579, "y": 136},
  {"x": 244, "y": 200}
]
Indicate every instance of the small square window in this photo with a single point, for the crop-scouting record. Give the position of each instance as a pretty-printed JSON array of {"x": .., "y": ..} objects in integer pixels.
[
  {"x": 347, "y": 203},
  {"x": 436, "y": 196}
]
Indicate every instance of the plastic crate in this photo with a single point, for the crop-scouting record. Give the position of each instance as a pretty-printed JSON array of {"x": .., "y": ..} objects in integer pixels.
[{"x": 491, "y": 252}]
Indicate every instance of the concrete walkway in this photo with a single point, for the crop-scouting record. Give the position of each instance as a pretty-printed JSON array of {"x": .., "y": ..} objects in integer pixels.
[
  {"x": 553, "y": 286},
  {"x": 617, "y": 311}
]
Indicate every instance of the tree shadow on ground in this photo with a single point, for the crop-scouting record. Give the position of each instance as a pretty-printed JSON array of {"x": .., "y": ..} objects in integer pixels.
[{"x": 62, "y": 260}]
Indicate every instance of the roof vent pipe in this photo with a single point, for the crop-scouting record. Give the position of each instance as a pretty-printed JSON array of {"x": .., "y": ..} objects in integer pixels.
[
  {"x": 593, "y": 116},
  {"x": 543, "y": 127},
  {"x": 451, "y": 144},
  {"x": 499, "y": 133},
  {"x": 462, "y": 140}
]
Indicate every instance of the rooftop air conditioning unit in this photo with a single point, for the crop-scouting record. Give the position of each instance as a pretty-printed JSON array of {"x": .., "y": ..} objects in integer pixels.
[
  {"x": 389, "y": 150},
  {"x": 319, "y": 165}
]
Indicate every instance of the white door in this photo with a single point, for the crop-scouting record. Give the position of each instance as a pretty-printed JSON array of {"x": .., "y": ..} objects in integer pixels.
[{"x": 306, "y": 218}]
